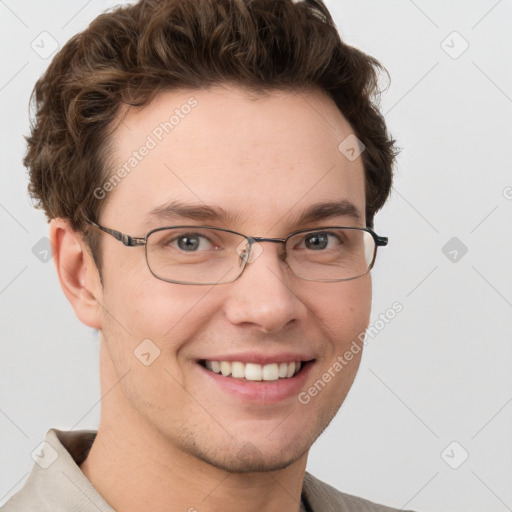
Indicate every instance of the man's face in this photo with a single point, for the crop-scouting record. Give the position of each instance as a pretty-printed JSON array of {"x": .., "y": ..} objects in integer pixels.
[{"x": 262, "y": 162}]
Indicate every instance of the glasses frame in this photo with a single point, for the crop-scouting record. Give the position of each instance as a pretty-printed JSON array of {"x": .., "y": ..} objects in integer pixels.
[{"x": 133, "y": 241}]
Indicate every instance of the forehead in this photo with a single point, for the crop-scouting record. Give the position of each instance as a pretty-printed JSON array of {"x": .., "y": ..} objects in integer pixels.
[{"x": 261, "y": 159}]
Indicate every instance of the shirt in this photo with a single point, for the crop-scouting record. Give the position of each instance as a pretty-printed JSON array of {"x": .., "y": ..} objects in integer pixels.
[{"x": 56, "y": 483}]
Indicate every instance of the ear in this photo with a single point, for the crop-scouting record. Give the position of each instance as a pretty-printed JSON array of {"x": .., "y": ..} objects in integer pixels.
[{"x": 78, "y": 275}]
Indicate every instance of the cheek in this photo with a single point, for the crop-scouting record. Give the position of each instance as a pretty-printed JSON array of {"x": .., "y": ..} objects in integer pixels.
[
  {"x": 347, "y": 315},
  {"x": 359, "y": 301},
  {"x": 343, "y": 309},
  {"x": 140, "y": 307}
]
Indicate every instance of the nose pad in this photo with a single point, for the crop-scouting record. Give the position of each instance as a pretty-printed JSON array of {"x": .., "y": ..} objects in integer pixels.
[
  {"x": 249, "y": 251},
  {"x": 243, "y": 249}
]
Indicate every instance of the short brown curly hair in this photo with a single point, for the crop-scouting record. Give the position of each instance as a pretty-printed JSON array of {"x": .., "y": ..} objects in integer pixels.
[{"x": 127, "y": 55}]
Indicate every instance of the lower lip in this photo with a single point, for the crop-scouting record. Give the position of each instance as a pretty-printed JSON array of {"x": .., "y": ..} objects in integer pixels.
[{"x": 264, "y": 392}]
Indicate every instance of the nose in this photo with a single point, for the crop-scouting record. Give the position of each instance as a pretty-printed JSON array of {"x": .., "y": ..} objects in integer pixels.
[{"x": 265, "y": 295}]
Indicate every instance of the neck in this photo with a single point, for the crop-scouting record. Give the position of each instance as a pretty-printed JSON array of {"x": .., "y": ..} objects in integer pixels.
[{"x": 134, "y": 467}]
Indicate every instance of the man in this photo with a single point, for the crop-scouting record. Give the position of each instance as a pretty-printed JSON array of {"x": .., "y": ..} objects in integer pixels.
[{"x": 211, "y": 170}]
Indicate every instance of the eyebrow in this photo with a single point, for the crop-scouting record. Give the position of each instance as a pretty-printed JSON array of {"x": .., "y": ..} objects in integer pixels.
[
  {"x": 330, "y": 209},
  {"x": 314, "y": 213},
  {"x": 176, "y": 210}
]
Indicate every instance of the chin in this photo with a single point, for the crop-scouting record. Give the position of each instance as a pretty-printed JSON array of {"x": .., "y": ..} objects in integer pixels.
[
  {"x": 237, "y": 454},
  {"x": 250, "y": 459}
]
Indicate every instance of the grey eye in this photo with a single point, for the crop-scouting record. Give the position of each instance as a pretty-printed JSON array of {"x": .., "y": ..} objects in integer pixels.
[
  {"x": 188, "y": 243},
  {"x": 317, "y": 241},
  {"x": 191, "y": 242}
]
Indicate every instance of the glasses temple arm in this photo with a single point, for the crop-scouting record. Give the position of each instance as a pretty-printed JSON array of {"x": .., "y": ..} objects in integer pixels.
[
  {"x": 381, "y": 240},
  {"x": 127, "y": 240}
]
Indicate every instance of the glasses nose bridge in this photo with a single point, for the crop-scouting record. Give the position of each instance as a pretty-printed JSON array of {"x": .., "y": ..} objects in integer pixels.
[
  {"x": 251, "y": 240},
  {"x": 258, "y": 239}
]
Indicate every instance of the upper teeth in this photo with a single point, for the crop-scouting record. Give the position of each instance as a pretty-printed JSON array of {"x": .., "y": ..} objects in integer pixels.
[{"x": 253, "y": 371}]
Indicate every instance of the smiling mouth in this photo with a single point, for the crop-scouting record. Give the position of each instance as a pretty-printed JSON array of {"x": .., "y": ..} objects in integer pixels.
[{"x": 253, "y": 371}]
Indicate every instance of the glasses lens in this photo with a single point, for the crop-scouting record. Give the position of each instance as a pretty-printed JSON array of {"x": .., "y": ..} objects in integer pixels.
[
  {"x": 331, "y": 254},
  {"x": 189, "y": 254}
]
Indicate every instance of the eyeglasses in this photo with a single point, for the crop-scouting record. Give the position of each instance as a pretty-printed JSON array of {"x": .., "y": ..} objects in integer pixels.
[{"x": 209, "y": 255}]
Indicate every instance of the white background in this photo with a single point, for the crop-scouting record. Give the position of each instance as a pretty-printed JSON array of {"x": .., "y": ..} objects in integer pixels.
[{"x": 438, "y": 372}]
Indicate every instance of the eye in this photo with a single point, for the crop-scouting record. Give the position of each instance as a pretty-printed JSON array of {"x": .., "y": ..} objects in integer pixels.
[
  {"x": 320, "y": 241},
  {"x": 190, "y": 242}
]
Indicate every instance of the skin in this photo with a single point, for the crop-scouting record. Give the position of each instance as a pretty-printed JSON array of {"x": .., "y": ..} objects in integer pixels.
[{"x": 168, "y": 439}]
